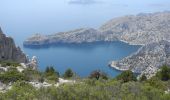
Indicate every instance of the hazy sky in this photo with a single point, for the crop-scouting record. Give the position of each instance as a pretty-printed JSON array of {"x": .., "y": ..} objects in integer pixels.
[{"x": 21, "y": 18}]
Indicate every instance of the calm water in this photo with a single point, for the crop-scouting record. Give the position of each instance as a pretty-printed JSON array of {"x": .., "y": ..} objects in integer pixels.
[
  {"x": 22, "y": 18},
  {"x": 83, "y": 58}
]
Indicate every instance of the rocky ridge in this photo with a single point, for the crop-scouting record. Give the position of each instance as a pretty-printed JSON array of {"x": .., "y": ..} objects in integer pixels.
[
  {"x": 9, "y": 51},
  {"x": 140, "y": 29}
]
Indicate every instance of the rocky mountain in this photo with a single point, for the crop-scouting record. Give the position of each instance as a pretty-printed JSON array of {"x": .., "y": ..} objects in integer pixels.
[
  {"x": 75, "y": 36},
  {"x": 135, "y": 29},
  {"x": 8, "y": 50},
  {"x": 140, "y": 29},
  {"x": 147, "y": 59}
]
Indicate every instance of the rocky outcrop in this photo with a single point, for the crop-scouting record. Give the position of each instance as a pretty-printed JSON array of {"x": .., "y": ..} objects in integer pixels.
[
  {"x": 8, "y": 50},
  {"x": 33, "y": 63},
  {"x": 149, "y": 57},
  {"x": 149, "y": 72},
  {"x": 138, "y": 29}
]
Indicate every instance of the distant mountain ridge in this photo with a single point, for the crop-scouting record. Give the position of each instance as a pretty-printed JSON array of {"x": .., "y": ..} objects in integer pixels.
[
  {"x": 82, "y": 35},
  {"x": 138, "y": 29},
  {"x": 9, "y": 51}
]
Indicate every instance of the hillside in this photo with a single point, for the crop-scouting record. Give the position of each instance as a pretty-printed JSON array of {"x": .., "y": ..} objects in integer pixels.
[
  {"x": 151, "y": 55},
  {"x": 140, "y": 29}
]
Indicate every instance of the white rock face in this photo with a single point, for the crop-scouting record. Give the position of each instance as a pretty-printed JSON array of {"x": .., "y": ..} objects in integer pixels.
[
  {"x": 5, "y": 87},
  {"x": 149, "y": 72},
  {"x": 45, "y": 84},
  {"x": 33, "y": 63},
  {"x": 167, "y": 91},
  {"x": 3, "y": 69},
  {"x": 39, "y": 85}
]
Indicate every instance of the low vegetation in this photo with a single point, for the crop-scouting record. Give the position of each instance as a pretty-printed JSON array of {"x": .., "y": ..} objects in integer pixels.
[
  {"x": 98, "y": 86},
  {"x": 164, "y": 74},
  {"x": 126, "y": 76},
  {"x": 11, "y": 76},
  {"x": 51, "y": 75},
  {"x": 68, "y": 73},
  {"x": 97, "y": 74},
  {"x": 9, "y": 63}
]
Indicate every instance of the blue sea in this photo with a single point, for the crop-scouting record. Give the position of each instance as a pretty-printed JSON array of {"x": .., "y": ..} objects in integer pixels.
[
  {"x": 83, "y": 58},
  {"x": 22, "y": 18}
]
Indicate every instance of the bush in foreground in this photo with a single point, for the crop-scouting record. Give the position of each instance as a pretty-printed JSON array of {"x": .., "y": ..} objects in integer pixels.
[
  {"x": 11, "y": 76},
  {"x": 68, "y": 73},
  {"x": 51, "y": 74},
  {"x": 126, "y": 76},
  {"x": 97, "y": 74},
  {"x": 164, "y": 73}
]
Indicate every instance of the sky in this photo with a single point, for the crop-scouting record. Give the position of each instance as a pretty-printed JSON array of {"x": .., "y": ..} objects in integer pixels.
[{"x": 22, "y": 18}]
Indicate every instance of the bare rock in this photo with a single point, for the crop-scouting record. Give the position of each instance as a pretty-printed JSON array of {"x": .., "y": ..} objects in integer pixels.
[
  {"x": 9, "y": 51},
  {"x": 33, "y": 63},
  {"x": 147, "y": 59}
]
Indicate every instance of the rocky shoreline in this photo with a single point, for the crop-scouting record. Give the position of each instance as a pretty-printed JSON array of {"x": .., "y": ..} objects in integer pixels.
[{"x": 147, "y": 59}]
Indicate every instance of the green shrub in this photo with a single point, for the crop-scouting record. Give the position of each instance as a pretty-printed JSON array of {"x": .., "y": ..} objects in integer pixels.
[
  {"x": 9, "y": 63},
  {"x": 11, "y": 76},
  {"x": 156, "y": 83},
  {"x": 32, "y": 75},
  {"x": 51, "y": 75},
  {"x": 50, "y": 71},
  {"x": 164, "y": 73},
  {"x": 68, "y": 73},
  {"x": 97, "y": 74},
  {"x": 143, "y": 78},
  {"x": 20, "y": 91},
  {"x": 127, "y": 76}
]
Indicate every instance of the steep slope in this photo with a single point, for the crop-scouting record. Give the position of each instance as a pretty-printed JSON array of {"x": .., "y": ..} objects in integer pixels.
[
  {"x": 8, "y": 50},
  {"x": 151, "y": 56}
]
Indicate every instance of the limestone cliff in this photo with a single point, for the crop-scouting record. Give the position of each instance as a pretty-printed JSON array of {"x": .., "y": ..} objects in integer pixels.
[{"x": 8, "y": 50}]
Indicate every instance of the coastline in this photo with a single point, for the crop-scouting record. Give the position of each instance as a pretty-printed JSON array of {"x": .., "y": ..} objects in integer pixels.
[
  {"x": 112, "y": 65},
  {"x": 55, "y": 44},
  {"x": 135, "y": 44}
]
